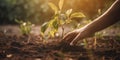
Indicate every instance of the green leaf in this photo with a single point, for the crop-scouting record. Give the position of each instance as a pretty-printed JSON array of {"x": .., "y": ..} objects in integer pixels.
[
  {"x": 85, "y": 42},
  {"x": 52, "y": 32},
  {"x": 78, "y": 14},
  {"x": 61, "y": 4},
  {"x": 54, "y": 7},
  {"x": 44, "y": 27},
  {"x": 68, "y": 12},
  {"x": 55, "y": 24}
]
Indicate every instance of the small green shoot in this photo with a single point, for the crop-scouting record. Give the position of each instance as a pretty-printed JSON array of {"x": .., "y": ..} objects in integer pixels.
[
  {"x": 85, "y": 43},
  {"x": 25, "y": 27}
]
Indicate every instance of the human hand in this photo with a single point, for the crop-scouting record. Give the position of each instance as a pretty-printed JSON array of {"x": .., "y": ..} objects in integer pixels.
[{"x": 73, "y": 37}]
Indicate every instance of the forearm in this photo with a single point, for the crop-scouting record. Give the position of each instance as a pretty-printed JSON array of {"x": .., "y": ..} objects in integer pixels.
[{"x": 111, "y": 16}]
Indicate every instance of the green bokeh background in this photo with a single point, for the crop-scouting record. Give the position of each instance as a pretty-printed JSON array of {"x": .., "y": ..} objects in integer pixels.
[{"x": 38, "y": 11}]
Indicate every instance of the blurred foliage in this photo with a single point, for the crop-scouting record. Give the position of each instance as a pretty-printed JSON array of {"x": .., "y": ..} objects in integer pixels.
[
  {"x": 38, "y": 11},
  {"x": 25, "y": 27},
  {"x": 60, "y": 18}
]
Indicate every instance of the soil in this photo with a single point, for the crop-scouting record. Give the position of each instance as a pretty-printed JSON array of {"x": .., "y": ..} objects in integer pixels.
[
  {"x": 18, "y": 48},
  {"x": 32, "y": 47}
]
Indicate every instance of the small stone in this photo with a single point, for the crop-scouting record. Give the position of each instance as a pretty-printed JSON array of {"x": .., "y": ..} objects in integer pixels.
[
  {"x": 37, "y": 59},
  {"x": 9, "y": 55}
]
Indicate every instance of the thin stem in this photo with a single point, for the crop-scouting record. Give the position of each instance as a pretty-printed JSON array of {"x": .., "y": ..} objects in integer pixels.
[{"x": 62, "y": 31}]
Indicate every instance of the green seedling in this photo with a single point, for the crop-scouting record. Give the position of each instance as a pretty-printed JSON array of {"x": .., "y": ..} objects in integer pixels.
[
  {"x": 59, "y": 19},
  {"x": 25, "y": 27}
]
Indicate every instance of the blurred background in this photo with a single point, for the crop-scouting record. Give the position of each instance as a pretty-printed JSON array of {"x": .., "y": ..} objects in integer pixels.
[{"x": 38, "y": 11}]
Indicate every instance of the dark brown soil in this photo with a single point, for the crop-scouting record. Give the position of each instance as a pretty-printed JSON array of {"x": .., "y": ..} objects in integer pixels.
[{"x": 19, "y": 48}]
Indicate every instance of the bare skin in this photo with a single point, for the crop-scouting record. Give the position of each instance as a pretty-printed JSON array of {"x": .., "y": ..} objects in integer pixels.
[{"x": 111, "y": 16}]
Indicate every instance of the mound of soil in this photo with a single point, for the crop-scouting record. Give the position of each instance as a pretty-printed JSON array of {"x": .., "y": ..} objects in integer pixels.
[{"x": 19, "y": 48}]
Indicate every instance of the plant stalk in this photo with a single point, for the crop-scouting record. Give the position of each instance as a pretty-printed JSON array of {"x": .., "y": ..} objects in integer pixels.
[{"x": 62, "y": 31}]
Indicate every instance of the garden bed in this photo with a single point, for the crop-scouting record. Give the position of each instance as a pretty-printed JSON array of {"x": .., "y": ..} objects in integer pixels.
[{"x": 13, "y": 47}]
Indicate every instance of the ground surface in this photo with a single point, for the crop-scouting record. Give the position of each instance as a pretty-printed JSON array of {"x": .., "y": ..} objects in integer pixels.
[{"x": 14, "y": 47}]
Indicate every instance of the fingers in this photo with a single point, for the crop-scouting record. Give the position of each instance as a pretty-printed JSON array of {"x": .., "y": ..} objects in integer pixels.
[
  {"x": 69, "y": 37},
  {"x": 79, "y": 37},
  {"x": 76, "y": 39}
]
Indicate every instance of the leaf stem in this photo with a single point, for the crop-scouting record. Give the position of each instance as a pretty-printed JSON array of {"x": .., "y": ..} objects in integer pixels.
[{"x": 62, "y": 31}]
